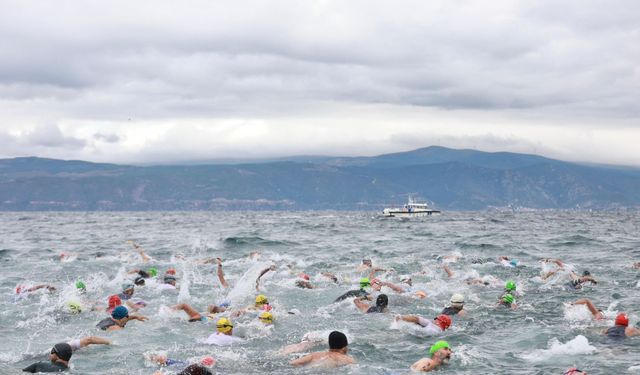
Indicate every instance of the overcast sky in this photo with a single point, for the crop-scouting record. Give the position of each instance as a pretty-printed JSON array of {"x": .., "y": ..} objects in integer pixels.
[{"x": 118, "y": 81}]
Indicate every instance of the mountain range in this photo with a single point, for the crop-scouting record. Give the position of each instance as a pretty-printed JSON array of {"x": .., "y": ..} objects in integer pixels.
[{"x": 446, "y": 178}]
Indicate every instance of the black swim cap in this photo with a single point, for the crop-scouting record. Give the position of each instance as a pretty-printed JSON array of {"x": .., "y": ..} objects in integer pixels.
[
  {"x": 62, "y": 350},
  {"x": 586, "y": 273},
  {"x": 139, "y": 280},
  {"x": 195, "y": 370},
  {"x": 337, "y": 340},
  {"x": 144, "y": 274},
  {"x": 382, "y": 300}
]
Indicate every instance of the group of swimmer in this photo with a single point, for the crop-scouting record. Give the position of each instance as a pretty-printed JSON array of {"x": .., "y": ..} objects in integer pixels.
[{"x": 123, "y": 308}]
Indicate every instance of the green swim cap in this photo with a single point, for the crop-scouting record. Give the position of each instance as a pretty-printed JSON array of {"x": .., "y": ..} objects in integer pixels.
[
  {"x": 364, "y": 282},
  {"x": 80, "y": 285},
  {"x": 437, "y": 346},
  {"x": 508, "y": 298},
  {"x": 153, "y": 271},
  {"x": 510, "y": 285},
  {"x": 74, "y": 307}
]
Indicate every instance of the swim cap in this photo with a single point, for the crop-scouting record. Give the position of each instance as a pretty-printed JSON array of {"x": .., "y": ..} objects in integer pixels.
[
  {"x": 266, "y": 317},
  {"x": 225, "y": 304},
  {"x": 510, "y": 285},
  {"x": 139, "y": 280},
  {"x": 224, "y": 325},
  {"x": 171, "y": 271},
  {"x": 153, "y": 271},
  {"x": 62, "y": 350},
  {"x": 437, "y": 346},
  {"x": 195, "y": 370},
  {"x": 74, "y": 307},
  {"x": 443, "y": 321},
  {"x": 382, "y": 300},
  {"x": 514, "y": 262},
  {"x": 622, "y": 320},
  {"x": 364, "y": 282},
  {"x": 457, "y": 299},
  {"x": 80, "y": 285},
  {"x": 127, "y": 286},
  {"x": 114, "y": 301},
  {"x": 586, "y": 273},
  {"x": 304, "y": 276},
  {"x": 508, "y": 298},
  {"x": 261, "y": 299},
  {"x": 208, "y": 361},
  {"x": 120, "y": 312},
  {"x": 337, "y": 340}
]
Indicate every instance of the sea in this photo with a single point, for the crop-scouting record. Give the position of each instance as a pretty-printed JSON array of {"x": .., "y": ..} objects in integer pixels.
[{"x": 545, "y": 334}]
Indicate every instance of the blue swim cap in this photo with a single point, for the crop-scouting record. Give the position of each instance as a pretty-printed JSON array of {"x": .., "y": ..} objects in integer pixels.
[
  {"x": 514, "y": 262},
  {"x": 225, "y": 304},
  {"x": 120, "y": 312}
]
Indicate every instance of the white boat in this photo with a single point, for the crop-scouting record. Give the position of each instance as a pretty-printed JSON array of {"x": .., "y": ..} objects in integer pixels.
[{"x": 411, "y": 209}]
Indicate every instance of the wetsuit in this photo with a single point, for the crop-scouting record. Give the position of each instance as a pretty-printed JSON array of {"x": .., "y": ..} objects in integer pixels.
[
  {"x": 45, "y": 367},
  {"x": 106, "y": 323},
  {"x": 616, "y": 332},
  {"x": 353, "y": 293},
  {"x": 375, "y": 309},
  {"x": 450, "y": 310}
]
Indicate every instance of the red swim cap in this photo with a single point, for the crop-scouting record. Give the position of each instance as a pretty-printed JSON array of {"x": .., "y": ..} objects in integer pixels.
[
  {"x": 443, "y": 321},
  {"x": 114, "y": 301},
  {"x": 622, "y": 320},
  {"x": 304, "y": 276},
  {"x": 171, "y": 271}
]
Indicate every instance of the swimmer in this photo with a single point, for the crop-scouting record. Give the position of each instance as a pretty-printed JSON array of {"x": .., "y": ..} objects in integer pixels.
[
  {"x": 224, "y": 334},
  {"x": 194, "y": 316},
  {"x": 577, "y": 282},
  {"x": 118, "y": 319},
  {"x": 113, "y": 302},
  {"x": 127, "y": 291},
  {"x": 168, "y": 281},
  {"x": 574, "y": 371},
  {"x": 195, "y": 369},
  {"x": 304, "y": 282},
  {"x": 365, "y": 265},
  {"x": 364, "y": 283},
  {"x": 381, "y": 304},
  {"x": 21, "y": 289},
  {"x": 597, "y": 314},
  {"x": 223, "y": 282},
  {"x": 508, "y": 300},
  {"x": 446, "y": 269},
  {"x": 266, "y": 318},
  {"x": 507, "y": 262},
  {"x": 330, "y": 276},
  {"x": 440, "y": 323},
  {"x": 336, "y": 355},
  {"x": 81, "y": 287},
  {"x": 621, "y": 328},
  {"x": 165, "y": 361},
  {"x": 440, "y": 353},
  {"x": 151, "y": 272},
  {"x": 59, "y": 358},
  {"x": 376, "y": 285},
  {"x": 262, "y": 273},
  {"x": 262, "y": 303},
  {"x": 510, "y": 288},
  {"x": 145, "y": 257},
  {"x": 456, "y": 307}
]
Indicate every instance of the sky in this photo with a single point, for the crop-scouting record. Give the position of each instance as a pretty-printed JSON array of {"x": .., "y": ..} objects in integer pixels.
[{"x": 156, "y": 82}]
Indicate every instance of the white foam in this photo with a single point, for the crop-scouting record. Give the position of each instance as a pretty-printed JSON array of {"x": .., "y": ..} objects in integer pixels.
[{"x": 576, "y": 346}]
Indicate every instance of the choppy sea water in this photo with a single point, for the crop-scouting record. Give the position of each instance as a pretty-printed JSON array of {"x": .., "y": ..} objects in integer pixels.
[{"x": 542, "y": 336}]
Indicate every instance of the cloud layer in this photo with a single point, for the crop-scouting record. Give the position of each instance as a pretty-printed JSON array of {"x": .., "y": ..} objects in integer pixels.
[{"x": 162, "y": 82}]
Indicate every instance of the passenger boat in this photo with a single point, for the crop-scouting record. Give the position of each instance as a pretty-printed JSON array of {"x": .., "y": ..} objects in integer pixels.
[{"x": 411, "y": 209}]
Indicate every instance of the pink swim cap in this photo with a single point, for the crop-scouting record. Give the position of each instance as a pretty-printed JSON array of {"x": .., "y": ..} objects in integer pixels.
[{"x": 208, "y": 361}]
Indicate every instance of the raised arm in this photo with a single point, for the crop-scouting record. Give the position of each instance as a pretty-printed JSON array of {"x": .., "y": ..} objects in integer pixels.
[
  {"x": 223, "y": 282},
  {"x": 372, "y": 273},
  {"x": 264, "y": 271},
  {"x": 592, "y": 308},
  {"x": 93, "y": 340},
  {"x": 447, "y": 270}
]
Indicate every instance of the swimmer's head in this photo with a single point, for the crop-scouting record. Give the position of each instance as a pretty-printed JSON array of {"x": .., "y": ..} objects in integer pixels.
[
  {"x": 457, "y": 300},
  {"x": 510, "y": 285},
  {"x": 365, "y": 283},
  {"x": 120, "y": 312},
  {"x": 114, "y": 301},
  {"x": 337, "y": 340},
  {"x": 153, "y": 271},
  {"x": 208, "y": 361},
  {"x": 223, "y": 325},
  {"x": 266, "y": 317},
  {"x": 127, "y": 288},
  {"x": 169, "y": 279},
  {"x": 586, "y": 273},
  {"x": 443, "y": 321},
  {"x": 622, "y": 320},
  {"x": 261, "y": 300},
  {"x": 62, "y": 351},
  {"x": 367, "y": 262},
  {"x": 171, "y": 271},
  {"x": 304, "y": 276},
  {"x": 81, "y": 286},
  {"x": 420, "y": 294},
  {"x": 513, "y": 262},
  {"x": 574, "y": 371},
  {"x": 139, "y": 280},
  {"x": 508, "y": 299},
  {"x": 195, "y": 369},
  {"x": 382, "y": 300},
  {"x": 407, "y": 280},
  {"x": 74, "y": 307},
  {"x": 440, "y": 346}
]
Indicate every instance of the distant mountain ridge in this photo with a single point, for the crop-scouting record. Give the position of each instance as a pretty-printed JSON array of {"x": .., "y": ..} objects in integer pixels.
[{"x": 452, "y": 179}]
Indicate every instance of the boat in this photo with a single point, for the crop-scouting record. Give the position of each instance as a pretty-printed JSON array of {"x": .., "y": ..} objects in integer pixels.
[{"x": 411, "y": 209}]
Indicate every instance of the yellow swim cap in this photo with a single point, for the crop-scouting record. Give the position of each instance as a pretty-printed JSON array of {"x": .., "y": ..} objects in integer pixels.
[
  {"x": 74, "y": 307},
  {"x": 224, "y": 325},
  {"x": 266, "y": 317},
  {"x": 261, "y": 299}
]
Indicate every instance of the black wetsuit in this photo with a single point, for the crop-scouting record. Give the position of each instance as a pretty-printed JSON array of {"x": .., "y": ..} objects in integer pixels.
[
  {"x": 616, "y": 332},
  {"x": 353, "y": 293},
  {"x": 375, "y": 309},
  {"x": 45, "y": 367},
  {"x": 450, "y": 310},
  {"x": 105, "y": 323}
]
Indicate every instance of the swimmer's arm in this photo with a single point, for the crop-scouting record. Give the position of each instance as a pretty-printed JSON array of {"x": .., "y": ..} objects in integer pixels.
[
  {"x": 549, "y": 274},
  {"x": 114, "y": 328},
  {"x": 331, "y": 276},
  {"x": 372, "y": 273},
  {"x": 360, "y": 305},
  {"x": 264, "y": 271},
  {"x": 585, "y": 301},
  {"x": 410, "y": 318},
  {"x": 300, "y": 347},
  {"x": 223, "y": 282},
  {"x": 393, "y": 287},
  {"x": 632, "y": 331},
  {"x": 135, "y": 270},
  {"x": 423, "y": 365},
  {"x": 303, "y": 360},
  {"x": 93, "y": 340},
  {"x": 137, "y": 317},
  {"x": 447, "y": 270},
  {"x": 34, "y": 288}
]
